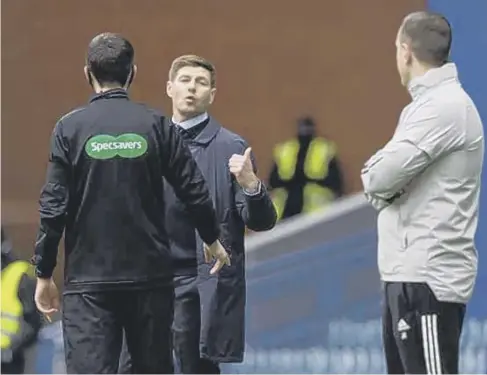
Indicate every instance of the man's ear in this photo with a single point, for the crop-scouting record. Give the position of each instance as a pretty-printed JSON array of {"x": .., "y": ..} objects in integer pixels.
[
  {"x": 407, "y": 53},
  {"x": 87, "y": 73},
  {"x": 89, "y": 77},
  {"x": 212, "y": 95},
  {"x": 169, "y": 89},
  {"x": 131, "y": 77}
]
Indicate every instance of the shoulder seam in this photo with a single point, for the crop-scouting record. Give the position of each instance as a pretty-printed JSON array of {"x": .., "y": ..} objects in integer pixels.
[
  {"x": 234, "y": 136},
  {"x": 69, "y": 114}
]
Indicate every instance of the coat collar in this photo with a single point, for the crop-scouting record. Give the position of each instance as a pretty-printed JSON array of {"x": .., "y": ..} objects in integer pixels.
[
  {"x": 208, "y": 133},
  {"x": 110, "y": 94},
  {"x": 432, "y": 78},
  {"x": 192, "y": 122}
]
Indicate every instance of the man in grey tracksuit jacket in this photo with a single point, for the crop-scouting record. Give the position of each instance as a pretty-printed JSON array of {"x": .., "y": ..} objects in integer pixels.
[{"x": 425, "y": 183}]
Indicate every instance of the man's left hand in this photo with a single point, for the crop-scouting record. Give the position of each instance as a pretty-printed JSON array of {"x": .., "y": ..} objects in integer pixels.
[
  {"x": 241, "y": 167},
  {"x": 47, "y": 297}
]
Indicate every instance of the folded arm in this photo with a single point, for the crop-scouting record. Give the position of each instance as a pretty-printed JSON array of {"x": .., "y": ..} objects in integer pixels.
[{"x": 425, "y": 135}]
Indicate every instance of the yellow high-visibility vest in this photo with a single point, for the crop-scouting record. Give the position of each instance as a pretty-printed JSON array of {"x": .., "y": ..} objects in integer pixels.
[
  {"x": 11, "y": 309},
  {"x": 316, "y": 162}
]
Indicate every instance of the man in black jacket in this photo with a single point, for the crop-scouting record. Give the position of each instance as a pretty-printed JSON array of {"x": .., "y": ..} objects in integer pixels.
[
  {"x": 209, "y": 315},
  {"x": 20, "y": 320},
  {"x": 104, "y": 185}
]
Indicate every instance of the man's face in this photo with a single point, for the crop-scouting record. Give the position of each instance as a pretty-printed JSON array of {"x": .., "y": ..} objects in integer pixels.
[
  {"x": 403, "y": 59},
  {"x": 306, "y": 129},
  {"x": 191, "y": 91}
]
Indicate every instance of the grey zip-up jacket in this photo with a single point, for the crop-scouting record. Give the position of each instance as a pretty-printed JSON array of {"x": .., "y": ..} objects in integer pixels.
[{"x": 425, "y": 182}]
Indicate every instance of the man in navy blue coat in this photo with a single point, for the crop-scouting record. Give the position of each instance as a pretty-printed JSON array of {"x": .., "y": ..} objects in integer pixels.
[{"x": 209, "y": 326}]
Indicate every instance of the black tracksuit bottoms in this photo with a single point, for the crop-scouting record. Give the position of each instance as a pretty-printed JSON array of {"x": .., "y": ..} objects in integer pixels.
[
  {"x": 421, "y": 335},
  {"x": 93, "y": 325},
  {"x": 186, "y": 331},
  {"x": 187, "y": 328}
]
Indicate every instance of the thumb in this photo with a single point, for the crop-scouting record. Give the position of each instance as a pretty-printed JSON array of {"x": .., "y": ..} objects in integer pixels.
[{"x": 247, "y": 153}]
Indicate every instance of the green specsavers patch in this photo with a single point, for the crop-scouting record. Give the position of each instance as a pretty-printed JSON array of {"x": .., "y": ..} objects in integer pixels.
[{"x": 127, "y": 146}]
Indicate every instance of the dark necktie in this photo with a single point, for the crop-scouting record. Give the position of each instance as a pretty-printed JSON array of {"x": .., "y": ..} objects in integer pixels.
[
  {"x": 183, "y": 132},
  {"x": 193, "y": 132}
]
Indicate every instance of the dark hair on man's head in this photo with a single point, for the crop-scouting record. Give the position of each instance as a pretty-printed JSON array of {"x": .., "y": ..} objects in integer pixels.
[
  {"x": 429, "y": 35},
  {"x": 193, "y": 61},
  {"x": 110, "y": 58}
]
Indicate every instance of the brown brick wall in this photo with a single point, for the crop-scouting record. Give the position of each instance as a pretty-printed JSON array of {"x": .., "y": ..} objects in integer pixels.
[{"x": 276, "y": 60}]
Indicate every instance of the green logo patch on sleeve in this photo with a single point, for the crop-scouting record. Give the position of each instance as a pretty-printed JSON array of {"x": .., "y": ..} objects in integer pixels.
[{"x": 128, "y": 146}]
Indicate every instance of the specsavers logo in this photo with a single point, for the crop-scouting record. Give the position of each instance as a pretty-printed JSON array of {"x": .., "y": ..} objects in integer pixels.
[{"x": 104, "y": 147}]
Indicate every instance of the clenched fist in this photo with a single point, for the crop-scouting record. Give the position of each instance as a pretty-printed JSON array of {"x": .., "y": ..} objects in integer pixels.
[{"x": 241, "y": 167}]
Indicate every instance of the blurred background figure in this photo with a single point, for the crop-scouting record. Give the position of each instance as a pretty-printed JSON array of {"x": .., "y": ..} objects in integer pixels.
[
  {"x": 306, "y": 174},
  {"x": 20, "y": 321}
]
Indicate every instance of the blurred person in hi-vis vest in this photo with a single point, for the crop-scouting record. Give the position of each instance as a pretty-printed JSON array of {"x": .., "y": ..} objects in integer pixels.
[
  {"x": 306, "y": 175},
  {"x": 20, "y": 321}
]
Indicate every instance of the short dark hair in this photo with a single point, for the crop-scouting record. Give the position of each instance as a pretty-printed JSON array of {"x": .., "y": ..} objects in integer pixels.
[
  {"x": 429, "y": 35},
  {"x": 110, "y": 58},
  {"x": 193, "y": 61}
]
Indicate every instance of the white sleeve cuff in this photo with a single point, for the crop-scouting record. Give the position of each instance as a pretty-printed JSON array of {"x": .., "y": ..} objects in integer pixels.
[{"x": 253, "y": 193}]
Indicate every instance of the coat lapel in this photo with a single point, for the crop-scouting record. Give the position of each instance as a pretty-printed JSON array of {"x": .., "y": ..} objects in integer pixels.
[{"x": 209, "y": 133}]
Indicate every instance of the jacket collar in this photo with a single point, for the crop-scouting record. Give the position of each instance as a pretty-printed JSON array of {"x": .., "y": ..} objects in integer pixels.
[
  {"x": 188, "y": 124},
  {"x": 110, "y": 94},
  {"x": 432, "y": 78},
  {"x": 208, "y": 133}
]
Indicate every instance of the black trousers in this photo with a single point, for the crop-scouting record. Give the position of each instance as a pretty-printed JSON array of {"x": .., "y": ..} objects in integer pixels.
[
  {"x": 421, "y": 335},
  {"x": 186, "y": 332},
  {"x": 187, "y": 328},
  {"x": 93, "y": 324}
]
